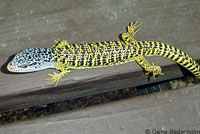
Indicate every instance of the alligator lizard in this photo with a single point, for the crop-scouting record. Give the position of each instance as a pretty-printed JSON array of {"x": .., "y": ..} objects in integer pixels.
[{"x": 64, "y": 56}]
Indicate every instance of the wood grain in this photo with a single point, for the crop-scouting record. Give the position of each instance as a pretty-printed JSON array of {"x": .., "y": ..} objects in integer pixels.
[
  {"x": 37, "y": 23},
  {"x": 175, "y": 110}
]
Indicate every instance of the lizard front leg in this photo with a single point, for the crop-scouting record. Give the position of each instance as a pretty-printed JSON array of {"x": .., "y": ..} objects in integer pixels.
[
  {"x": 150, "y": 69},
  {"x": 128, "y": 36},
  {"x": 57, "y": 77}
]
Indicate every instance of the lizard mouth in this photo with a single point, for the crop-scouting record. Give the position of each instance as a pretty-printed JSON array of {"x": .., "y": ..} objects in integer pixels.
[{"x": 14, "y": 69}]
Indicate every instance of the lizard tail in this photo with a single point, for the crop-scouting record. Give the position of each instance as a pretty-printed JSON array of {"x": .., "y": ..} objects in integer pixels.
[{"x": 152, "y": 48}]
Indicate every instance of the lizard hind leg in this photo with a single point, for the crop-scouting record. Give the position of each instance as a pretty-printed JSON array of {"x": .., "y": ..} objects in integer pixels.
[
  {"x": 131, "y": 31},
  {"x": 150, "y": 69}
]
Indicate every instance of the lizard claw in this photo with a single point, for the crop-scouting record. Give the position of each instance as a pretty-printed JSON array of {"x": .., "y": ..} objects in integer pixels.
[
  {"x": 155, "y": 70},
  {"x": 132, "y": 28},
  {"x": 131, "y": 31},
  {"x": 55, "y": 78}
]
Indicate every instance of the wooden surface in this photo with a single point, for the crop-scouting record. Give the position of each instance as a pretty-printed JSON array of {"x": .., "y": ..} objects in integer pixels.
[
  {"x": 27, "y": 24},
  {"x": 164, "y": 111}
]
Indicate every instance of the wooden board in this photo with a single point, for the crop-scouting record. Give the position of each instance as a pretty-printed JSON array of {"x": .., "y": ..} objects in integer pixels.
[
  {"x": 27, "y": 24},
  {"x": 175, "y": 110}
]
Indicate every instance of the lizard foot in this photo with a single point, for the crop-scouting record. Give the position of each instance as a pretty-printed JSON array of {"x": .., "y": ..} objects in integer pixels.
[
  {"x": 57, "y": 77},
  {"x": 132, "y": 27},
  {"x": 131, "y": 31},
  {"x": 154, "y": 70},
  {"x": 54, "y": 78}
]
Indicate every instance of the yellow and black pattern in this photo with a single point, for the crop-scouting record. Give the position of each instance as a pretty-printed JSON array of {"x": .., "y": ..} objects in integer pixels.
[
  {"x": 151, "y": 48},
  {"x": 109, "y": 53},
  {"x": 93, "y": 55}
]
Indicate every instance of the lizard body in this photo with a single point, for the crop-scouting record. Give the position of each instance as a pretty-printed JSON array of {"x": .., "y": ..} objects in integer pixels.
[{"x": 64, "y": 56}]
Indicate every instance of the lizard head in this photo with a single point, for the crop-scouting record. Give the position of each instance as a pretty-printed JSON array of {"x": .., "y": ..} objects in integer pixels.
[{"x": 31, "y": 59}]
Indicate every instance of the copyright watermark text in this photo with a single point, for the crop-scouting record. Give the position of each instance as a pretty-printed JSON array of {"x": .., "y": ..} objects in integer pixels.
[{"x": 171, "y": 131}]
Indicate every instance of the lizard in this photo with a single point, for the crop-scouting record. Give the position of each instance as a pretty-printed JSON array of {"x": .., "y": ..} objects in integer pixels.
[{"x": 64, "y": 56}]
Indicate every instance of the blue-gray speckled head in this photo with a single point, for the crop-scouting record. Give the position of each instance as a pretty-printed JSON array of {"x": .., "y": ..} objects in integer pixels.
[{"x": 32, "y": 59}]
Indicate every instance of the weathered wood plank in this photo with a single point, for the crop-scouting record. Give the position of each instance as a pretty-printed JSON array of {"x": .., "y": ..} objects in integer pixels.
[
  {"x": 172, "y": 110},
  {"x": 37, "y": 24}
]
